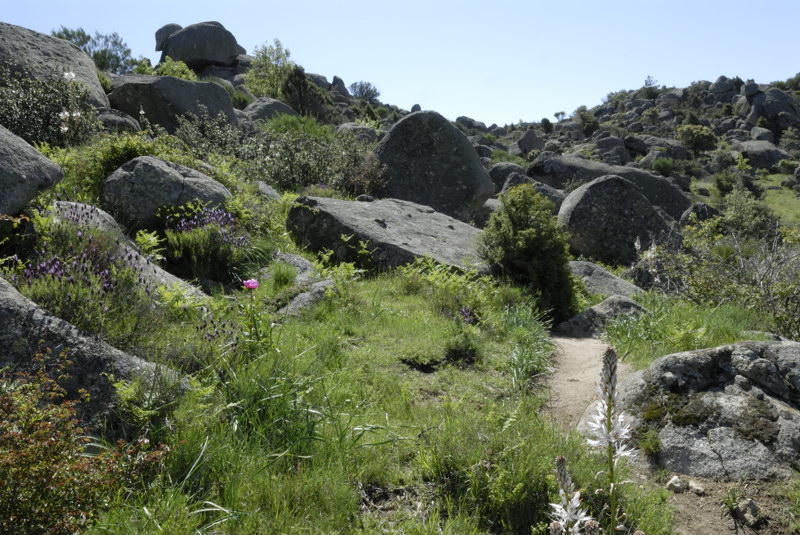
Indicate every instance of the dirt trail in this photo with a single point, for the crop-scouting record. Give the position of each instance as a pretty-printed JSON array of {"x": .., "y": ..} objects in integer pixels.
[
  {"x": 573, "y": 388},
  {"x": 573, "y": 384}
]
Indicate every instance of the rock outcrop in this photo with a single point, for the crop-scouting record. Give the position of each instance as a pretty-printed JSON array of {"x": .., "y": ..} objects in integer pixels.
[
  {"x": 727, "y": 412},
  {"x": 199, "y": 45},
  {"x": 593, "y": 320},
  {"x": 394, "y": 232},
  {"x": 162, "y": 99},
  {"x": 136, "y": 191},
  {"x": 26, "y": 329},
  {"x": 44, "y": 56},
  {"x": 600, "y": 281},
  {"x": 557, "y": 171},
  {"x": 25, "y": 172},
  {"x": 605, "y": 217},
  {"x": 431, "y": 162}
]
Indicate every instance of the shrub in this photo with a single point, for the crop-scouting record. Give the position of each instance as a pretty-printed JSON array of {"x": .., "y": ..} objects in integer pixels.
[
  {"x": 55, "y": 111},
  {"x": 270, "y": 67},
  {"x": 48, "y": 483},
  {"x": 108, "y": 51},
  {"x": 178, "y": 69},
  {"x": 523, "y": 242},
  {"x": 663, "y": 166},
  {"x": 547, "y": 125},
  {"x": 305, "y": 97},
  {"x": 696, "y": 138}
]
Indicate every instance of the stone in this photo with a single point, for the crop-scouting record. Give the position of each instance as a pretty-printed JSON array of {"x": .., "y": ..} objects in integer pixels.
[
  {"x": 137, "y": 190},
  {"x": 163, "y": 99},
  {"x": 526, "y": 143},
  {"x": 265, "y": 108},
  {"x": 44, "y": 56},
  {"x": 200, "y": 45},
  {"x": 593, "y": 320},
  {"x": 728, "y": 412},
  {"x": 675, "y": 485},
  {"x": 600, "y": 281},
  {"x": 500, "y": 171},
  {"x": 761, "y": 154},
  {"x": 431, "y": 162},
  {"x": 696, "y": 488},
  {"x": 605, "y": 217},
  {"x": 557, "y": 171},
  {"x": 394, "y": 232},
  {"x": 25, "y": 173},
  {"x": 26, "y": 329}
]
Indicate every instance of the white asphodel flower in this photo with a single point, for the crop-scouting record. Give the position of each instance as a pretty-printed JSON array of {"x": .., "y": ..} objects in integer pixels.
[
  {"x": 69, "y": 76},
  {"x": 609, "y": 425}
]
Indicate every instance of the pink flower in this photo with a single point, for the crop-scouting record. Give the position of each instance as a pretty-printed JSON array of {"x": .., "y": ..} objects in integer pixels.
[{"x": 250, "y": 284}]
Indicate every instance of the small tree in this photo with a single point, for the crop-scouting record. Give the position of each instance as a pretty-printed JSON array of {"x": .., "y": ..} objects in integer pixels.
[
  {"x": 547, "y": 126},
  {"x": 365, "y": 90},
  {"x": 109, "y": 51},
  {"x": 270, "y": 68},
  {"x": 523, "y": 242},
  {"x": 560, "y": 115},
  {"x": 696, "y": 138}
]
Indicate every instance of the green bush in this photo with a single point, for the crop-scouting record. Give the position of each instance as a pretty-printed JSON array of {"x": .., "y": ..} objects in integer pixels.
[
  {"x": 663, "y": 166},
  {"x": 178, "y": 69},
  {"x": 696, "y": 138},
  {"x": 270, "y": 67},
  {"x": 523, "y": 242},
  {"x": 365, "y": 90},
  {"x": 55, "y": 111},
  {"x": 49, "y": 484}
]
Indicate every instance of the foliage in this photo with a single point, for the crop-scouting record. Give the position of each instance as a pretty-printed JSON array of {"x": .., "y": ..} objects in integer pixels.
[
  {"x": 742, "y": 259},
  {"x": 80, "y": 275},
  {"x": 49, "y": 484},
  {"x": 523, "y": 242},
  {"x": 663, "y": 166},
  {"x": 547, "y": 125},
  {"x": 305, "y": 97},
  {"x": 365, "y": 90},
  {"x": 55, "y": 110},
  {"x": 86, "y": 167},
  {"x": 178, "y": 69},
  {"x": 589, "y": 122},
  {"x": 696, "y": 138},
  {"x": 270, "y": 67},
  {"x": 108, "y": 51}
]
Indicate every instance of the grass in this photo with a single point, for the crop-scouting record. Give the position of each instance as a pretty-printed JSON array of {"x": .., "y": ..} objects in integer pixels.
[
  {"x": 673, "y": 325},
  {"x": 783, "y": 201}
]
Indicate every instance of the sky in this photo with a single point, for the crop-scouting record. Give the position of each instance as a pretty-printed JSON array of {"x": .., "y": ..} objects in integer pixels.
[{"x": 495, "y": 61}]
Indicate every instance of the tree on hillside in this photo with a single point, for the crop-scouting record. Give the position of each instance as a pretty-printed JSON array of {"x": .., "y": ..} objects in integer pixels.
[
  {"x": 270, "y": 68},
  {"x": 109, "y": 51},
  {"x": 365, "y": 90},
  {"x": 696, "y": 138}
]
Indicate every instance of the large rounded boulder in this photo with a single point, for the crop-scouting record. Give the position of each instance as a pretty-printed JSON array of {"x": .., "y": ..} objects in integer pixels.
[
  {"x": 136, "y": 192},
  {"x": 199, "y": 45},
  {"x": 431, "y": 162},
  {"x": 25, "y": 172},
  {"x": 605, "y": 217}
]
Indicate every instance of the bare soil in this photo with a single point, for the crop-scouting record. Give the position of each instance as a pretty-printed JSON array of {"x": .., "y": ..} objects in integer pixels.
[{"x": 573, "y": 388}]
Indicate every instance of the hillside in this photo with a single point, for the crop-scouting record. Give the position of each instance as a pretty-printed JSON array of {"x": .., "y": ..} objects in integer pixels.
[{"x": 239, "y": 298}]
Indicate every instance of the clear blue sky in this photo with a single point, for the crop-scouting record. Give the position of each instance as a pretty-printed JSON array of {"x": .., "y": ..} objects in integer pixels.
[{"x": 498, "y": 61}]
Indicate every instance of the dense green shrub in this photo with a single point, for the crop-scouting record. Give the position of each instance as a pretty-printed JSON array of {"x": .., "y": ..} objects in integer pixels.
[
  {"x": 55, "y": 110},
  {"x": 547, "y": 125},
  {"x": 178, "y": 69},
  {"x": 663, "y": 166},
  {"x": 696, "y": 138},
  {"x": 523, "y": 242}
]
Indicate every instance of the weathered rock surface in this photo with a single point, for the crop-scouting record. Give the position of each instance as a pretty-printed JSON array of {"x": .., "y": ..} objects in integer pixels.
[
  {"x": 593, "y": 320},
  {"x": 24, "y": 172},
  {"x": 198, "y": 45},
  {"x": 557, "y": 171},
  {"x": 600, "y": 281},
  {"x": 761, "y": 154},
  {"x": 44, "y": 56},
  {"x": 605, "y": 217},
  {"x": 431, "y": 162},
  {"x": 724, "y": 412},
  {"x": 265, "y": 108},
  {"x": 136, "y": 191},
  {"x": 395, "y": 232},
  {"x": 165, "y": 98},
  {"x": 26, "y": 329}
]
